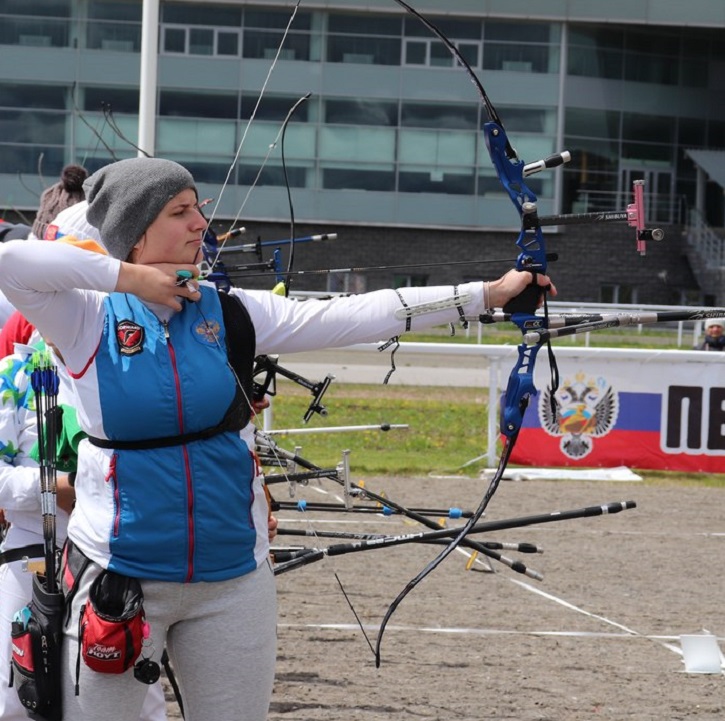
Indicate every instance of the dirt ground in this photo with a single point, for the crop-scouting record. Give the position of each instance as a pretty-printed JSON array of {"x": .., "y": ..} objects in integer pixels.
[{"x": 597, "y": 638}]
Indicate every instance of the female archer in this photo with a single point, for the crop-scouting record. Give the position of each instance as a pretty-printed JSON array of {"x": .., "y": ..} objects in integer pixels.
[{"x": 167, "y": 491}]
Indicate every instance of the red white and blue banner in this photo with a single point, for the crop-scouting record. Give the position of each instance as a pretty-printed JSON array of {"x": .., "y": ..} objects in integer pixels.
[{"x": 643, "y": 409}]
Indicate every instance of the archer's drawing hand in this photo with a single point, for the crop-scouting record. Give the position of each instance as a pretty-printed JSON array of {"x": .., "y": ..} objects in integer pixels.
[{"x": 158, "y": 283}]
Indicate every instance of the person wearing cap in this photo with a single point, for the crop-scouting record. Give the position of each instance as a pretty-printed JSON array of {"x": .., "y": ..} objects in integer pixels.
[
  {"x": 714, "y": 338},
  {"x": 167, "y": 491}
]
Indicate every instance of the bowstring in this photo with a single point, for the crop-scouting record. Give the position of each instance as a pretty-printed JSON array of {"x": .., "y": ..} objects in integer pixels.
[
  {"x": 243, "y": 139},
  {"x": 490, "y": 491}
]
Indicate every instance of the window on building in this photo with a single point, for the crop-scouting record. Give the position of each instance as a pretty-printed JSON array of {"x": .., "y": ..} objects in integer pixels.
[
  {"x": 409, "y": 281},
  {"x": 41, "y": 8},
  {"x": 649, "y": 127},
  {"x": 361, "y": 111},
  {"x": 200, "y": 14},
  {"x": 592, "y": 123},
  {"x": 16, "y": 95},
  {"x": 363, "y": 50},
  {"x": 425, "y": 180},
  {"x": 125, "y": 38},
  {"x": 347, "y": 283},
  {"x": 198, "y": 105},
  {"x": 364, "y": 39},
  {"x": 271, "y": 174},
  {"x": 421, "y": 48},
  {"x": 227, "y": 43},
  {"x": 208, "y": 171},
  {"x": 617, "y": 294},
  {"x": 35, "y": 32},
  {"x": 264, "y": 30},
  {"x": 464, "y": 29},
  {"x": 200, "y": 41},
  {"x": 698, "y": 47},
  {"x": 274, "y": 108},
  {"x": 521, "y": 47},
  {"x": 431, "y": 52},
  {"x": 33, "y": 126},
  {"x": 174, "y": 40},
  {"x": 119, "y": 101},
  {"x": 108, "y": 32},
  {"x": 596, "y": 52},
  {"x": 24, "y": 159},
  {"x": 489, "y": 184},
  {"x": 439, "y": 115},
  {"x": 716, "y": 133},
  {"x": 365, "y": 24},
  {"x": 652, "y": 69},
  {"x": 591, "y": 178},
  {"x": 651, "y": 56},
  {"x": 277, "y": 19},
  {"x": 358, "y": 178},
  {"x": 266, "y": 44},
  {"x": 520, "y": 58},
  {"x": 528, "y": 120}
]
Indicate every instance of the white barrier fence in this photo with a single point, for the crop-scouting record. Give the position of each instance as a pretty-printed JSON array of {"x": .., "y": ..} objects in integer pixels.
[{"x": 648, "y": 372}]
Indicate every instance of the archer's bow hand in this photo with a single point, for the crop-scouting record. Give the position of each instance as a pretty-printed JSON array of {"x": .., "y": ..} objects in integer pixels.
[{"x": 520, "y": 291}]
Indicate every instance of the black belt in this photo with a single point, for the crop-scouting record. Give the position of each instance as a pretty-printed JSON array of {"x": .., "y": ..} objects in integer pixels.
[{"x": 37, "y": 550}]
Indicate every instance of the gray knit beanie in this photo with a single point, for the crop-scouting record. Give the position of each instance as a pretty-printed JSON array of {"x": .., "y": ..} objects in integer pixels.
[
  {"x": 59, "y": 196},
  {"x": 124, "y": 198}
]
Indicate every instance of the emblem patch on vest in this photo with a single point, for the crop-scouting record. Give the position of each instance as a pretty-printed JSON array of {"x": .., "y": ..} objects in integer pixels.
[
  {"x": 51, "y": 232},
  {"x": 207, "y": 331},
  {"x": 130, "y": 337}
]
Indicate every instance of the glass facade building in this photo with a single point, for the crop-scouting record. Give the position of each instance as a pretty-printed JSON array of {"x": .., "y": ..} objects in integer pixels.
[{"x": 390, "y": 134}]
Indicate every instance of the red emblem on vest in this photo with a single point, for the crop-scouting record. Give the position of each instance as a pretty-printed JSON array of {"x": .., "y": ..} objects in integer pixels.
[{"x": 130, "y": 337}]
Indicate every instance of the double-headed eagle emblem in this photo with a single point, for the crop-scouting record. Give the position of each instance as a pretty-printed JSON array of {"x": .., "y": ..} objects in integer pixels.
[{"x": 586, "y": 408}]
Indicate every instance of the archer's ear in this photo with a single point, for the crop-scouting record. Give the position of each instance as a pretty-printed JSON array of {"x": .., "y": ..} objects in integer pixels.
[{"x": 136, "y": 250}]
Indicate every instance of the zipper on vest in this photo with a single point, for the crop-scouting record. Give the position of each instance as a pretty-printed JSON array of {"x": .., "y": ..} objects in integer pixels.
[{"x": 185, "y": 452}]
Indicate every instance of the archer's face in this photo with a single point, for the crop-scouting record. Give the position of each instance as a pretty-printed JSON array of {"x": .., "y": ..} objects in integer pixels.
[
  {"x": 715, "y": 331},
  {"x": 175, "y": 235}
]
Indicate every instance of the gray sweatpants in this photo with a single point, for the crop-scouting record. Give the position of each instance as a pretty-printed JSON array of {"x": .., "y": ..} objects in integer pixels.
[{"x": 221, "y": 640}]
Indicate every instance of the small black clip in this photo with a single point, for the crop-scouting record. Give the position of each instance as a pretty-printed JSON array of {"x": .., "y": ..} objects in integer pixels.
[{"x": 147, "y": 671}]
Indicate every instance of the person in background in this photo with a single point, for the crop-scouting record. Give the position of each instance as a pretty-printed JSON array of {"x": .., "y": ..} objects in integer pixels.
[
  {"x": 714, "y": 338},
  {"x": 13, "y": 231},
  {"x": 69, "y": 225},
  {"x": 20, "y": 500},
  {"x": 166, "y": 490},
  {"x": 19, "y": 475},
  {"x": 10, "y": 231},
  {"x": 66, "y": 192},
  {"x": 16, "y": 329}
]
